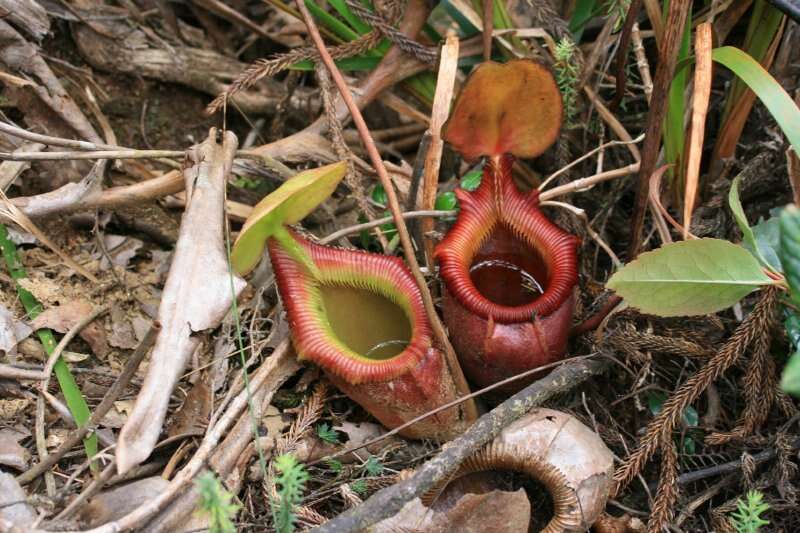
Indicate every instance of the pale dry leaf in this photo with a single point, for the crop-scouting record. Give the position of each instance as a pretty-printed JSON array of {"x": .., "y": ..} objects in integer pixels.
[
  {"x": 12, "y": 502},
  {"x": 63, "y": 317},
  {"x": 11, "y": 453},
  {"x": 12, "y": 331},
  {"x": 11, "y": 408}
]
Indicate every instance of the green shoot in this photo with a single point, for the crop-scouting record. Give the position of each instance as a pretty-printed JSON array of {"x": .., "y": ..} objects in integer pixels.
[
  {"x": 373, "y": 466},
  {"x": 216, "y": 503},
  {"x": 359, "y": 486},
  {"x": 72, "y": 393},
  {"x": 567, "y": 71},
  {"x": 290, "y": 485},
  {"x": 747, "y": 517},
  {"x": 327, "y": 434}
]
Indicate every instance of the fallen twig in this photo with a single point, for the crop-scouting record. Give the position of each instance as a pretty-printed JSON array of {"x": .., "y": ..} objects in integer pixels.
[{"x": 390, "y": 500}]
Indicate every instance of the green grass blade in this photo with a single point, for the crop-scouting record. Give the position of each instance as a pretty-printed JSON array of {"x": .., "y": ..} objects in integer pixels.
[
  {"x": 765, "y": 21},
  {"x": 72, "y": 393},
  {"x": 332, "y": 23},
  {"x": 767, "y": 88},
  {"x": 674, "y": 131},
  {"x": 584, "y": 11},
  {"x": 349, "y": 64},
  {"x": 344, "y": 11}
]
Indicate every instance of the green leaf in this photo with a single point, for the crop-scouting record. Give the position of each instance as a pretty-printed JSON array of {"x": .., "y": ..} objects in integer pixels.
[
  {"x": 472, "y": 179},
  {"x": 750, "y": 241},
  {"x": 373, "y": 466},
  {"x": 327, "y": 434},
  {"x": 76, "y": 403},
  {"x": 347, "y": 64},
  {"x": 792, "y": 326},
  {"x": 356, "y": 23},
  {"x": 790, "y": 382},
  {"x": 446, "y": 201},
  {"x": 379, "y": 195},
  {"x": 288, "y": 204},
  {"x": 768, "y": 236},
  {"x": 790, "y": 250},
  {"x": 694, "y": 277},
  {"x": 767, "y": 88}
]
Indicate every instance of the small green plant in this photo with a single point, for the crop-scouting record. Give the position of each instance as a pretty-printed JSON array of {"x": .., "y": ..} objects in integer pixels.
[
  {"x": 290, "y": 484},
  {"x": 327, "y": 434},
  {"x": 567, "y": 71},
  {"x": 373, "y": 466},
  {"x": 359, "y": 486},
  {"x": 216, "y": 503},
  {"x": 747, "y": 517}
]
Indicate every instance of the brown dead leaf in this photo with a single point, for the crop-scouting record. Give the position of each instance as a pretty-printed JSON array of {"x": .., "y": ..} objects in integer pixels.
[
  {"x": 63, "y": 317},
  {"x": 45, "y": 290},
  {"x": 122, "y": 332},
  {"x": 193, "y": 415},
  {"x": 11, "y": 453},
  {"x": 11, "y": 408},
  {"x": 115, "y": 503}
]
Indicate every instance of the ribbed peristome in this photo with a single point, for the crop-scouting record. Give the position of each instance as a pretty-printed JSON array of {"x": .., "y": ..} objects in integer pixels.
[
  {"x": 502, "y": 457},
  {"x": 498, "y": 202},
  {"x": 313, "y": 336}
]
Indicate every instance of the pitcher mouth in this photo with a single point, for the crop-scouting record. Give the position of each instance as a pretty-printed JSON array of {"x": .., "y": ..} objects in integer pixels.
[
  {"x": 503, "y": 259},
  {"x": 362, "y": 320}
]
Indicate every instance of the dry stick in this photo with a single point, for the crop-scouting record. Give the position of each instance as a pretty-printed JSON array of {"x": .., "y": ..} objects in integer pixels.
[
  {"x": 641, "y": 62},
  {"x": 702, "y": 93},
  {"x": 54, "y": 141},
  {"x": 390, "y": 500},
  {"x": 99, "y": 412},
  {"x": 394, "y": 206},
  {"x": 93, "y": 488},
  {"x": 673, "y": 30},
  {"x": 622, "y": 52},
  {"x": 12, "y": 372},
  {"x": 448, "y": 68},
  {"x": 488, "y": 27},
  {"x": 378, "y": 222},
  {"x": 589, "y": 181},
  {"x": 588, "y": 154},
  {"x": 282, "y": 355},
  {"x": 453, "y": 403}
]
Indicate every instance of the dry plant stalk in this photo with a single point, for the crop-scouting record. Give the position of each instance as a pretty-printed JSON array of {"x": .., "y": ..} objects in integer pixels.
[
  {"x": 702, "y": 93},
  {"x": 668, "y": 56},
  {"x": 661, "y": 426},
  {"x": 197, "y": 295},
  {"x": 448, "y": 68},
  {"x": 469, "y": 408}
]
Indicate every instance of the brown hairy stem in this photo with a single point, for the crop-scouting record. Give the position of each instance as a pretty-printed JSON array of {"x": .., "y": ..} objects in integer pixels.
[
  {"x": 394, "y": 206},
  {"x": 662, "y": 425}
]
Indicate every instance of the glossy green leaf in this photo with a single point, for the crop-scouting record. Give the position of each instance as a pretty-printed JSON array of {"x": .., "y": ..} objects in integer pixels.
[
  {"x": 347, "y": 14},
  {"x": 379, "y": 195},
  {"x": 446, "y": 201},
  {"x": 694, "y": 277},
  {"x": 790, "y": 250},
  {"x": 790, "y": 382},
  {"x": 288, "y": 204},
  {"x": 472, "y": 180},
  {"x": 758, "y": 249},
  {"x": 767, "y": 88},
  {"x": 768, "y": 235}
]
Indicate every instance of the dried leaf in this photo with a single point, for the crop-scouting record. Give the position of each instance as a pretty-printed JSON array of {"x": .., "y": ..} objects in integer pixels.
[
  {"x": 11, "y": 453},
  {"x": 12, "y": 331},
  {"x": 66, "y": 315},
  {"x": 12, "y": 503}
]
